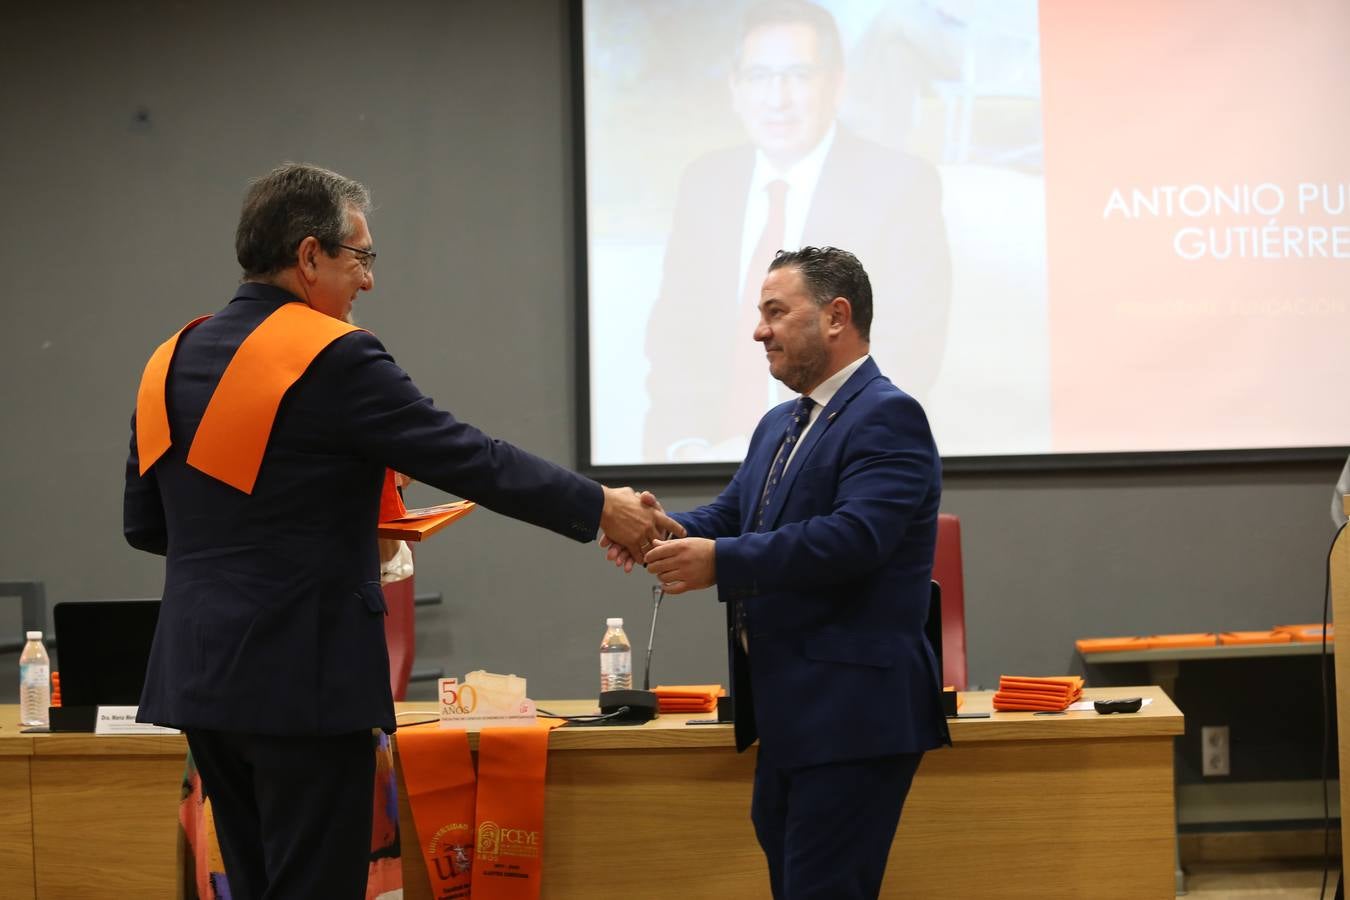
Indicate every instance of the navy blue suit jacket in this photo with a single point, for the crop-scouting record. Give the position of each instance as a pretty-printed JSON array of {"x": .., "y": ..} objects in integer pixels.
[
  {"x": 272, "y": 617},
  {"x": 836, "y": 587}
]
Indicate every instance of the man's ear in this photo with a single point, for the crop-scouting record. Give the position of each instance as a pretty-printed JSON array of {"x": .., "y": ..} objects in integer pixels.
[
  {"x": 841, "y": 314},
  {"x": 307, "y": 259}
]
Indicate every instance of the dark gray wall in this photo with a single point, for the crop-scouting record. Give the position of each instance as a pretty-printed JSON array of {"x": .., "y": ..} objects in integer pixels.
[{"x": 130, "y": 131}]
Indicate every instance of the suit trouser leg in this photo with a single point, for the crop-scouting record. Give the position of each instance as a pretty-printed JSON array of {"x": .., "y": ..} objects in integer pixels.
[
  {"x": 826, "y": 830},
  {"x": 293, "y": 814}
]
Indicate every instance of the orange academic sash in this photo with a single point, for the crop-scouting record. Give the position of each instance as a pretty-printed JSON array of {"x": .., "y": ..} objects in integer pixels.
[
  {"x": 152, "y": 415},
  {"x": 232, "y": 437},
  {"x": 233, "y": 433},
  {"x": 486, "y": 843},
  {"x": 438, "y": 773},
  {"x": 509, "y": 852}
]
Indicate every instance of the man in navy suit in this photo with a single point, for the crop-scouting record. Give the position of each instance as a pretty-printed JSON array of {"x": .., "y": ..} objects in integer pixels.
[
  {"x": 802, "y": 178},
  {"x": 270, "y": 650},
  {"x": 822, "y": 549}
]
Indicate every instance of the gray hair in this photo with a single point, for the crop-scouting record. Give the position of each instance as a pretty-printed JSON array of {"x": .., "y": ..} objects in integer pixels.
[{"x": 289, "y": 204}]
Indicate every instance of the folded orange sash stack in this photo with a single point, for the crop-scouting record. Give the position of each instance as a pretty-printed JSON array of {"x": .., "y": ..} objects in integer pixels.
[
  {"x": 1030, "y": 694},
  {"x": 688, "y": 698},
  {"x": 1307, "y": 633},
  {"x": 1247, "y": 638}
]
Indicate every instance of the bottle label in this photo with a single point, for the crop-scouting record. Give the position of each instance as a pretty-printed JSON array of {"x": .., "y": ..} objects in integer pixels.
[
  {"x": 34, "y": 674},
  {"x": 616, "y": 663}
]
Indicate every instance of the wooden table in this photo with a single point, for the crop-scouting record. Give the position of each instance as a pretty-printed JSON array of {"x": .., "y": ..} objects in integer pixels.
[{"x": 1070, "y": 806}]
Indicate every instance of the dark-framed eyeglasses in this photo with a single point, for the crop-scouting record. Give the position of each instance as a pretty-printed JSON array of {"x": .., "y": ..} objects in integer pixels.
[{"x": 365, "y": 257}]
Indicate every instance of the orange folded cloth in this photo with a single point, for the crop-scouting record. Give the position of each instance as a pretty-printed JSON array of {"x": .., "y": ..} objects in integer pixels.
[
  {"x": 1307, "y": 633},
  {"x": 1110, "y": 645},
  {"x": 1181, "y": 641},
  {"x": 1003, "y": 704},
  {"x": 1035, "y": 694},
  {"x": 1235, "y": 638},
  {"x": 688, "y": 697}
]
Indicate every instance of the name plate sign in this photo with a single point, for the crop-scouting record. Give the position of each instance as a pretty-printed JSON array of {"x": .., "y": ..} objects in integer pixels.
[{"x": 122, "y": 720}]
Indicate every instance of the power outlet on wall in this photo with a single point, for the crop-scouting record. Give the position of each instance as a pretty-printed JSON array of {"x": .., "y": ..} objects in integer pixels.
[{"x": 1214, "y": 750}]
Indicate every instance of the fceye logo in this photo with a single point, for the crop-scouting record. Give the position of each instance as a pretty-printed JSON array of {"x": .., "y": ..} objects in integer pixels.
[{"x": 494, "y": 841}]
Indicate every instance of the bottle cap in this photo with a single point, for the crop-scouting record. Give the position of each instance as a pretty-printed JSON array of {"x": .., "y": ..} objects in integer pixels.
[
  {"x": 614, "y": 623},
  {"x": 34, "y": 635}
]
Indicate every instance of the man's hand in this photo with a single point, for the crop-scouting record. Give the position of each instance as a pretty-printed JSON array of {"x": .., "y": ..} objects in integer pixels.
[
  {"x": 632, "y": 522},
  {"x": 620, "y": 555},
  {"x": 685, "y": 564}
]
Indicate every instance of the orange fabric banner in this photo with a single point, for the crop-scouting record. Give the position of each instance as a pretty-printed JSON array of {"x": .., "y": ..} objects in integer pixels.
[
  {"x": 438, "y": 773},
  {"x": 509, "y": 849},
  {"x": 152, "y": 414}
]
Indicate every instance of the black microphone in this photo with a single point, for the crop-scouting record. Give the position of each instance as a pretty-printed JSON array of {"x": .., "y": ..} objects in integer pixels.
[
  {"x": 658, "y": 594},
  {"x": 641, "y": 706}
]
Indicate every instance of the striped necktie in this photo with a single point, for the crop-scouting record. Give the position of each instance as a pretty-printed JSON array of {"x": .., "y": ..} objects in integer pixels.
[{"x": 801, "y": 414}]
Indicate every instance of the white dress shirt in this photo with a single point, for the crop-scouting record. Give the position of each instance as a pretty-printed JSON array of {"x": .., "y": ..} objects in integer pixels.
[{"x": 823, "y": 394}]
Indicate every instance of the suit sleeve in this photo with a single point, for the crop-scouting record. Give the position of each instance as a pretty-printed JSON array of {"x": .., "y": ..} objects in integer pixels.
[
  {"x": 387, "y": 419},
  {"x": 143, "y": 522},
  {"x": 888, "y": 474},
  {"x": 720, "y": 518}
]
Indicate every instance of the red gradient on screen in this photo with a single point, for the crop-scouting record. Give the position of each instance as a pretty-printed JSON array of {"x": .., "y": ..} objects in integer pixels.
[{"x": 1153, "y": 351}]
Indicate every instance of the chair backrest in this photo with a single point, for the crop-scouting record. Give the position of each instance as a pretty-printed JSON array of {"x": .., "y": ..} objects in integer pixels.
[
  {"x": 400, "y": 634},
  {"x": 947, "y": 573}
]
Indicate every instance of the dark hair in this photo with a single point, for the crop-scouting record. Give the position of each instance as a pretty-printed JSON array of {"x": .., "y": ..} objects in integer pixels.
[
  {"x": 830, "y": 272},
  {"x": 796, "y": 12},
  {"x": 289, "y": 204}
]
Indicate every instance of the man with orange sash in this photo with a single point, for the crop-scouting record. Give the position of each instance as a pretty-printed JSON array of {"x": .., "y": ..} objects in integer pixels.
[{"x": 258, "y": 451}]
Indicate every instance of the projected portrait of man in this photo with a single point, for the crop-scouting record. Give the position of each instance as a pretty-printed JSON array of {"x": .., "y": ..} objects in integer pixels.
[{"x": 801, "y": 178}]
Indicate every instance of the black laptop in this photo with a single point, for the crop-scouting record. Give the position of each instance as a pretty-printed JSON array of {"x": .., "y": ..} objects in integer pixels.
[{"x": 102, "y": 649}]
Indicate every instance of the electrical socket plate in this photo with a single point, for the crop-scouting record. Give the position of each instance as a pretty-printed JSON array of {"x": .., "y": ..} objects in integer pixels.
[{"x": 1214, "y": 750}]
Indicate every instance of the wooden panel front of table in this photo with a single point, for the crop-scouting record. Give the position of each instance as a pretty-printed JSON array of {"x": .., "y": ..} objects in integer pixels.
[{"x": 1065, "y": 806}]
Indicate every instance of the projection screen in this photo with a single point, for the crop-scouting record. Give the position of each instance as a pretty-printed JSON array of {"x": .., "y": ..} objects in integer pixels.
[{"x": 1091, "y": 227}]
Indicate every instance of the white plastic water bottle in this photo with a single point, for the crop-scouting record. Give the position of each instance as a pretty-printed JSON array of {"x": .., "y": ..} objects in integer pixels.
[
  {"x": 35, "y": 682},
  {"x": 616, "y": 658}
]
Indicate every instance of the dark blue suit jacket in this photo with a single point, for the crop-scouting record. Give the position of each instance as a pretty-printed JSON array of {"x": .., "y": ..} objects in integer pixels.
[
  {"x": 836, "y": 588},
  {"x": 272, "y": 618}
]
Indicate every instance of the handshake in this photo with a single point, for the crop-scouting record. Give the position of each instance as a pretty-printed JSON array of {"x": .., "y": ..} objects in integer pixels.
[{"x": 635, "y": 529}]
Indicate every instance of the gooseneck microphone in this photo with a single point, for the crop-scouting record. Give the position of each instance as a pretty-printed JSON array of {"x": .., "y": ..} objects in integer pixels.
[
  {"x": 658, "y": 594},
  {"x": 632, "y": 707}
]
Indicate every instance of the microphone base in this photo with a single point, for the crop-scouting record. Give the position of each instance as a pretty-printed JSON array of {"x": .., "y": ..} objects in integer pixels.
[{"x": 643, "y": 706}]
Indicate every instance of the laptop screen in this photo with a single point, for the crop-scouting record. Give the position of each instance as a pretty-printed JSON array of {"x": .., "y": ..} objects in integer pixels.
[{"x": 102, "y": 648}]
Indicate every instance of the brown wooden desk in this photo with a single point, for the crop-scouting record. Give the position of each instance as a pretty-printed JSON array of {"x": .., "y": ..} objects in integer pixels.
[{"x": 1022, "y": 806}]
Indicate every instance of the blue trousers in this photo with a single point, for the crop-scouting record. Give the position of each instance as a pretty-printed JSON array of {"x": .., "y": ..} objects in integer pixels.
[{"x": 826, "y": 830}]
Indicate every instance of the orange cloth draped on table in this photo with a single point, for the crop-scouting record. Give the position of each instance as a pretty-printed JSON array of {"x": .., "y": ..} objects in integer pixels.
[
  {"x": 481, "y": 836},
  {"x": 1028, "y": 693}
]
